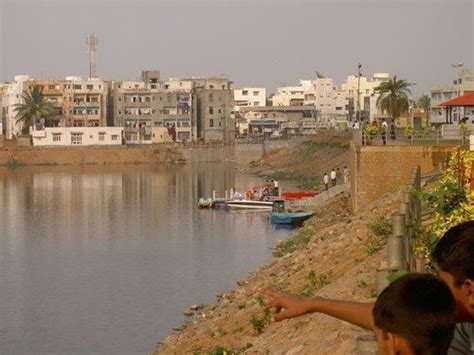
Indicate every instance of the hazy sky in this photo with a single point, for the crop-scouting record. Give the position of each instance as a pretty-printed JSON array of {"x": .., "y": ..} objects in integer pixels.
[{"x": 256, "y": 42}]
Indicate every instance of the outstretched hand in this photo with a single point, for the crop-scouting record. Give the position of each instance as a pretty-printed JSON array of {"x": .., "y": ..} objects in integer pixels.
[{"x": 286, "y": 305}]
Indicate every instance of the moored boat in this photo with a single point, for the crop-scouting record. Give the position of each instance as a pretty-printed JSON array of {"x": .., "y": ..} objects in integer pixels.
[
  {"x": 290, "y": 217},
  {"x": 250, "y": 204}
]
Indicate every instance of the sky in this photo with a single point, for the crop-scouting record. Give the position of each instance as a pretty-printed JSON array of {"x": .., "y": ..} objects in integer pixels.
[{"x": 255, "y": 42}]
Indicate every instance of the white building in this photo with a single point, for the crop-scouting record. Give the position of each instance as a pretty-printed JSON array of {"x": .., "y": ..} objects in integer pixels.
[
  {"x": 365, "y": 94},
  {"x": 12, "y": 96},
  {"x": 291, "y": 95},
  {"x": 329, "y": 101},
  {"x": 442, "y": 93},
  {"x": 76, "y": 136},
  {"x": 249, "y": 96}
]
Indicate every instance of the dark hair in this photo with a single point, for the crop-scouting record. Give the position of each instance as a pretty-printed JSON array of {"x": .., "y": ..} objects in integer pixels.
[
  {"x": 454, "y": 252},
  {"x": 421, "y": 309}
]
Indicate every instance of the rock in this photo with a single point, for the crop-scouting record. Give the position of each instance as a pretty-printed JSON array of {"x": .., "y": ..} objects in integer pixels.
[
  {"x": 295, "y": 350},
  {"x": 194, "y": 307},
  {"x": 178, "y": 329},
  {"x": 188, "y": 313}
]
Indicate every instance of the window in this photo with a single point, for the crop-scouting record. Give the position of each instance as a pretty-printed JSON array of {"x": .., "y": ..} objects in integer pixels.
[
  {"x": 56, "y": 137},
  {"x": 89, "y": 87},
  {"x": 211, "y": 110},
  {"x": 211, "y": 97},
  {"x": 255, "y": 93},
  {"x": 220, "y": 123},
  {"x": 211, "y": 123},
  {"x": 114, "y": 137},
  {"x": 77, "y": 87},
  {"x": 76, "y": 138},
  {"x": 101, "y": 136},
  {"x": 219, "y": 111},
  {"x": 245, "y": 92}
]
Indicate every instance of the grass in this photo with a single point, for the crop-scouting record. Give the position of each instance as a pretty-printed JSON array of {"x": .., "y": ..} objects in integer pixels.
[
  {"x": 379, "y": 230},
  {"x": 300, "y": 239},
  {"x": 12, "y": 163},
  {"x": 315, "y": 283},
  {"x": 259, "y": 299},
  {"x": 260, "y": 323}
]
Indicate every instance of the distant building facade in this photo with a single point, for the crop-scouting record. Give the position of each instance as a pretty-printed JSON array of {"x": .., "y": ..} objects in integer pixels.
[
  {"x": 363, "y": 97},
  {"x": 249, "y": 96},
  {"x": 75, "y": 136},
  {"x": 441, "y": 93}
]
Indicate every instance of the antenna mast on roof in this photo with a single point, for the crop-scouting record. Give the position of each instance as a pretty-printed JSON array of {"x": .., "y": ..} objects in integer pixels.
[{"x": 92, "y": 41}]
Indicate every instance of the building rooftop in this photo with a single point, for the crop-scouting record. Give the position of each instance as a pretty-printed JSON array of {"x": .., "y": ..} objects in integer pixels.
[{"x": 465, "y": 100}]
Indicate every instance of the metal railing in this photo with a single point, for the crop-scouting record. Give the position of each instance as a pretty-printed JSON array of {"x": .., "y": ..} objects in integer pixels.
[{"x": 400, "y": 137}]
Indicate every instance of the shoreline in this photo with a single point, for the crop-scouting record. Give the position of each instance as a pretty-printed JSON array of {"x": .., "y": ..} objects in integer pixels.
[{"x": 329, "y": 257}]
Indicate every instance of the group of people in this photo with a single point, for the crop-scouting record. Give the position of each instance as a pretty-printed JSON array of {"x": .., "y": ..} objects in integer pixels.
[
  {"x": 418, "y": 314},
  {"x": 271, "y": 188},
  {"x": 386, "y": 129},
  {"x": 335, "y": 177}
]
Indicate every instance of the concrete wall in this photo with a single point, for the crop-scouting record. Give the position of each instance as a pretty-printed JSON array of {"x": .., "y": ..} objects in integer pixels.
[
  {"x": 376, "y": 171},
  {"x": 83, "y": 156}
]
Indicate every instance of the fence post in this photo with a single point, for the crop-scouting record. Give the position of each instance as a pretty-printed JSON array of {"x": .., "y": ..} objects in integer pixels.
[{"x": 395, "y": 249}]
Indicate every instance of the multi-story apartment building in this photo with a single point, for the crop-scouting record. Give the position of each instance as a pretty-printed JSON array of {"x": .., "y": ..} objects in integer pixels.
[
  {"x": 329, "y": 101},
  {"x": 78, "y": 102},
  {"x": 139, "y": 106},
  {"x": 463, "y": 84},
  {"x": 191, "y": 109},
  {"x": 249, "y": 96},
  {"x": 291, "y": 95},
  {"x": 214, "y": 106},
  {"x": 363, "y": 91},
  {"x": 13, "y": 95}
]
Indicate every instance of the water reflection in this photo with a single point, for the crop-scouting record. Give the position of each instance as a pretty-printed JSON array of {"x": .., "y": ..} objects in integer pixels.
[{"x": 104, "y": 259}]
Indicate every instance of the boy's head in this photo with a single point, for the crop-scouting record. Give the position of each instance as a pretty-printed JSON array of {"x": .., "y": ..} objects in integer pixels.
[
  {"x": 415, "y": 315},
  {"x": 454, "y": 257}
]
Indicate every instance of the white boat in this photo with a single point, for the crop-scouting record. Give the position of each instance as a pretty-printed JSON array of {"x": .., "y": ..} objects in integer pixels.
[{"x": 250, "y": 204}]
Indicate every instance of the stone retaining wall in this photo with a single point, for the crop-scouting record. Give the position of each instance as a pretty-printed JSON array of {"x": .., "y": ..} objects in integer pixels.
[{"x": 376, "y": 171}]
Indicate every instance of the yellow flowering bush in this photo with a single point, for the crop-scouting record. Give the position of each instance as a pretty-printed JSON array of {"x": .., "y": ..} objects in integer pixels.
[
  {"x": 452, "y": 203},
  {"x": 464, "y": 130}
]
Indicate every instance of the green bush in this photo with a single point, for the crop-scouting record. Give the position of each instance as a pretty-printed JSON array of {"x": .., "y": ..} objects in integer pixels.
[{"x": 260, "y": 323}]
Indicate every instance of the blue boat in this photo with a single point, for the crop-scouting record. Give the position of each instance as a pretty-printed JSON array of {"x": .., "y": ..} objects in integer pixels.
[{"x": 290, "y": 217}]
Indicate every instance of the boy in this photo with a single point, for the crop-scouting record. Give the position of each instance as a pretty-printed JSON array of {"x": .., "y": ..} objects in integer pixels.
[
  {"x": 415, "y": 315},
  {"x": 454, "y": 257}
]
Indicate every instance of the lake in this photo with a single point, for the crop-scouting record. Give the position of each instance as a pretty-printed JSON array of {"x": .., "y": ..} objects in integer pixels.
[{"x": 104, "y": 259}]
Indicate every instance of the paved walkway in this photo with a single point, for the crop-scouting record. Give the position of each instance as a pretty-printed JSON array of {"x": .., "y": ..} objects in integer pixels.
[{"x": 321, "y": 199}]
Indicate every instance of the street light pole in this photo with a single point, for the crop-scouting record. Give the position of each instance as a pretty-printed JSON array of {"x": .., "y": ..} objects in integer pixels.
[
  {"x": 358, "y": 92},
  {"x": 458, "y": 81}
]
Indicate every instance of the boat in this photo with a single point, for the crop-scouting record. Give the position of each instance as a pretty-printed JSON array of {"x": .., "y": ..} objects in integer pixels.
[
  {"x": 290, "y": 217},
  {"x": 205, "y": 203},
  {"x": 250, "y": 204}
]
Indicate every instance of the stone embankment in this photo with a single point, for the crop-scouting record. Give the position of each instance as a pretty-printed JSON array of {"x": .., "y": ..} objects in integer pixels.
[
  {"x": 92, "y": 155},
  {"x": 334, "y": 255}
]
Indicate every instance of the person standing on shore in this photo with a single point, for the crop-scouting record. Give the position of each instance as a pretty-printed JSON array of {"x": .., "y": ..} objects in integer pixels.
[
  {"x": 338, "y": 176},
  {"x": 333, "y": 177},
  {"x": 346, "y": 175},
  {"x": 384, "y": 131},
  {"x": 326, "y": 181},
  {"x": 275, "y": 188}
]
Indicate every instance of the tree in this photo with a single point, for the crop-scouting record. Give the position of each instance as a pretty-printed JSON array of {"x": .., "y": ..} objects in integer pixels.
[
  {"x": 33, "y": 108},
  {"x": 393, "y": 97},
  {"x": 425, "y": 103}
]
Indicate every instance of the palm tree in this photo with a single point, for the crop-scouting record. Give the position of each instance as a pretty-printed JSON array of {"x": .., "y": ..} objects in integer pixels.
[
  {"x": 425, "y": 103},
  {"x": 393, "y": 97},
  {"x": 33, "y": 108}
]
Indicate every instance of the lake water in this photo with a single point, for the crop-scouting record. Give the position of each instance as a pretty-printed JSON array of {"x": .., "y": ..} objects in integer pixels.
[{"x": 105, "y": 259}]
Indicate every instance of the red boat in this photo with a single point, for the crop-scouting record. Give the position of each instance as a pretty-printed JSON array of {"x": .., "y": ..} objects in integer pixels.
[{"x": 298, "y": 195}]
